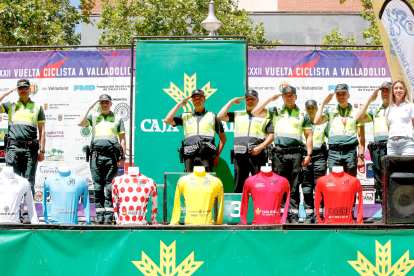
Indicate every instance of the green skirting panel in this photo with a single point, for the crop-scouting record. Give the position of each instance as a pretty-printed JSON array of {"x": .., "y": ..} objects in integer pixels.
[{"x": 213, "y": 252}]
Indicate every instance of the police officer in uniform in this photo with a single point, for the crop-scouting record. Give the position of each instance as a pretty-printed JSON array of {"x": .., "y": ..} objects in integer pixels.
[
  {"x": 251, "y": 136},
  {"x": 24, "y": 150},
  {"x": 343, "y": 130},
  {"x": 289, "y": 122},
  {"x": 317, "y": 166},
  {"x": 199, "y": 128},
  {"x": 378, "y": 148},
  {"x": 107, "y": 154}
]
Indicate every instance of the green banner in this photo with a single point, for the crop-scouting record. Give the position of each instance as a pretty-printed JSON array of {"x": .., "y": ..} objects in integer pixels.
[
  {"x": 166, "y": 72},
  {"x": 210, "y": 252},
  {"x": 231, "y": 209}
]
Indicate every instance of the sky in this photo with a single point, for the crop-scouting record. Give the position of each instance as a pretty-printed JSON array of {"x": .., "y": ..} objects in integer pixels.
[{"x": 76, "y": 3}]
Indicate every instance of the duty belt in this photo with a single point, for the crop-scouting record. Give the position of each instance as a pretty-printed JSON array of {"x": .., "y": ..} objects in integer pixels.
[
  {"x": 105, "y": 150},
  {"x": 238, "y": 148},
  {"x": 286, "y": 150},
  {"x": 191, "y": 149},
  {"x": 322, "y": 149},
  {"x": 243, "y": 149},
  {"x": 342, "y": 147},
  {"x": 23, "y": 144},
  {"x": 377, "y": 145}
]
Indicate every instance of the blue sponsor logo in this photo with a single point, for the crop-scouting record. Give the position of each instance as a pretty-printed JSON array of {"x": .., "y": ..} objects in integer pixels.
[
  {"x": 331, "y": 87},
  {"x": 370, "y": 171},
  {"x": 121, "y": 171},
  {"x": 84, "y": 87}
]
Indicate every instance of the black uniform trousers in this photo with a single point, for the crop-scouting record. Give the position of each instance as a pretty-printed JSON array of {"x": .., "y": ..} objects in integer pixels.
[
  {"x": 289, "y": 165},
  {"x": 196, "y": 159},
  {"x": 311, "y": 173},
  {"x": 244, "y": 165},
  {"x": 376, "y": 156},
  {"x": 103, "y": 169}
]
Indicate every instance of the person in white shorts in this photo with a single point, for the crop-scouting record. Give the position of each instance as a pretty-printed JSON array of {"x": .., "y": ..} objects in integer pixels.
[{"x": 400, "y": 120}]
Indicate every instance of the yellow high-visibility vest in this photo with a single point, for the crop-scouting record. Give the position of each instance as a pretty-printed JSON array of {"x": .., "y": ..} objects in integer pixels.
[{"x": 248, "y": 132}]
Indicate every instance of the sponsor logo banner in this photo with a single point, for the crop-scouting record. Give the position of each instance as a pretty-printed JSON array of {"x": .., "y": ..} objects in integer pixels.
[
  {"x": 54, "y": 154},
  {"x": 67, "y": 64},
  {"x": 368, "y": 252},
  {"x": 54, "y": 76}
]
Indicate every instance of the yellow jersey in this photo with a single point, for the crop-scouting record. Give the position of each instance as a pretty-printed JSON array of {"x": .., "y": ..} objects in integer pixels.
[{"x": 199, "y": 190}]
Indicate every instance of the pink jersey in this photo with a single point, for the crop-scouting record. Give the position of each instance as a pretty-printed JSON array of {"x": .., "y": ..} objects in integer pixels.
[
  {"x": 131, "y": 194},
  {"x": 338, "y": 191},
  {"x": 267, "y": 190}
]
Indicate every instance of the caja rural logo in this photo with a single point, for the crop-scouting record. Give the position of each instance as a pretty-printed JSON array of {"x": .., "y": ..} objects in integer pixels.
[
  {"x": 190, "y": 84},
  {"x": 383, "y": 265},
  {"x": 167, "y": 263}
]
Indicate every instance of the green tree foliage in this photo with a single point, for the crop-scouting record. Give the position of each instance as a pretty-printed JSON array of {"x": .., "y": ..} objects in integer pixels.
[
  {"x": 372, "y": 33},
  {"x": 120, "y": 19},
  {"x": 336, "y": 38},
  {"x": 41, "y": 22}
]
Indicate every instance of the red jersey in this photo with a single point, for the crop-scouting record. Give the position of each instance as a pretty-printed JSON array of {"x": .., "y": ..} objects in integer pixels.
[
  {"x": 338, "y": 191},
  {"x": 131, "y": 194},
  {"x": 267, "y": 190}
]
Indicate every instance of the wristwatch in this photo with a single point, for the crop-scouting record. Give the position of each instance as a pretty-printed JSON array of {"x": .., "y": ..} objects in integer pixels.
[
  {"x": 123, "y": 158},
  {"x": 42, "y": 151},
  {"x": 309, "y": 154},
  {"x": 361, "y": 155}
]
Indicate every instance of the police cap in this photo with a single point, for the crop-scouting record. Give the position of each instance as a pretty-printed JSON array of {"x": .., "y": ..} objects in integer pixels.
[
  {"x": 311, "y": 103},
  {"x": 23, "y": 83},
  {"x": 105, "y": 97},
  {"x": 252, "y": 93},
  {"x": 289, "y": 89},
  {"x": 198, "y": 92},
  {"x": 341, "y": 88},
  {"x": 386, "y": 84}
]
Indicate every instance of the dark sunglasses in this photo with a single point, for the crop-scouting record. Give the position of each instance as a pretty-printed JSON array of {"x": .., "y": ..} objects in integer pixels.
[
  {"x": 105, "y": 102},
  {"x": 23, "y": 88}
]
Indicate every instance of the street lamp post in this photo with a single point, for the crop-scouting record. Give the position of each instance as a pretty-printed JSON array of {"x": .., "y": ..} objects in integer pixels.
[{"x": 211, "y": 23}]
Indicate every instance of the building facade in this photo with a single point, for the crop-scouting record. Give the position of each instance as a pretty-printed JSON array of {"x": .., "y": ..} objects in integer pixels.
[{"x": 291, "y": 21}]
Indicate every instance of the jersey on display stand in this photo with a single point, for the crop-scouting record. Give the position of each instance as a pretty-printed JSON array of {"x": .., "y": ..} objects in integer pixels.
[
  {"x": 130, "y": 195},
  {"x": 65, "y": 189},
  {"x": 338, "y": 191},
  {"x": 12, "y": 189},
  {"x": 267, "y": 190},
  {"x": 199, "y": 190}
]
